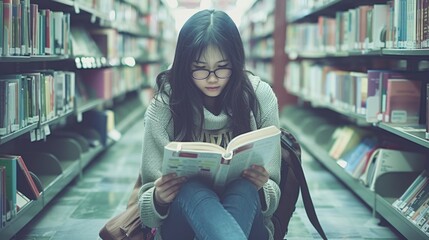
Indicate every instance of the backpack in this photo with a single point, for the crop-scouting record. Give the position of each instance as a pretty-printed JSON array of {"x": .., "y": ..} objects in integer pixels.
[
  {"x": 128, "y": 226},
  {"x": 291, "y": 182}
]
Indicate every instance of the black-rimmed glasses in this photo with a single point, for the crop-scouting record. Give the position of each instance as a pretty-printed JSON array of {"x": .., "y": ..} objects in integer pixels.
[{"x": 221, "y": 73}]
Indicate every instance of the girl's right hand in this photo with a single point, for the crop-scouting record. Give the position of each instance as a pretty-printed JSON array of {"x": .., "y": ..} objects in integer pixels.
[{"x": 167, "y": 187}]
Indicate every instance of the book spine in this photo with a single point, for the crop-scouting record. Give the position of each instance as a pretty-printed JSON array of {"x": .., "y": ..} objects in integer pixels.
[
  {"x": 25, "y": 27},
  {"x": 2, "y": 199},
  {"x": 3, "y": 108},
  {"x": 373, "y": 95},
  {"x": 29, "y": 178},
  {"x": 48, "y": 30},
  {"x": 1, "y": 28},
  {"x": 383, "y": 96},
  {"x": 7, "y": 27},
  {"x": 427, "y": 111},
  {"x": 417, "y": 202},
  {"x": 423, "y": 22},
  {"x": 42, "y": 31},
  {"x": 23, "y": 102},
  {"x": 411, "y": 20},
  {"x": 66, "y": 33},
  {"x": 420, "y": 178},
  {"x": 35, "y": 31},
  {"x": 37, "y": 99},
  {"x": 16, "y": 27},
  {"x": 415, "y": 194}
]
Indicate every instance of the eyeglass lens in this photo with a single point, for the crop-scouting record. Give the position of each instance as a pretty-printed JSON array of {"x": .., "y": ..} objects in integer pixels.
[{"x": 204, "y": 73}]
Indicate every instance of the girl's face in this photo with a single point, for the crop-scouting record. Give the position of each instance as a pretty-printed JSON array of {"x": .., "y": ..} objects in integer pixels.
[{"x": 211, "y": 72}]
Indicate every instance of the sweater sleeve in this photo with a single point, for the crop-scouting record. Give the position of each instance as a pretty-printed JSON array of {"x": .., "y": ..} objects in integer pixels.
[
  {"x": 269, "y": 115},
  {"x": 156, "y": 129}
]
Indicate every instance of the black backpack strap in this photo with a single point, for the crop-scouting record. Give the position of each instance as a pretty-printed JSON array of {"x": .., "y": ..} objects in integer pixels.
[{"x": 287, "y": 143}]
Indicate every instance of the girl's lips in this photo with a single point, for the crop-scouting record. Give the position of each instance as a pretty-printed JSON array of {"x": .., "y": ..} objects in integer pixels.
[{"x": 212, "y": 88}]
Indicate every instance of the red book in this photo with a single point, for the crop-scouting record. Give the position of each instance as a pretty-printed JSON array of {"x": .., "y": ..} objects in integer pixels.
[
  {"x": 48, "y": 30},
  {"x": 25, "y": 182},
  {"x": 402, "y": 101}
]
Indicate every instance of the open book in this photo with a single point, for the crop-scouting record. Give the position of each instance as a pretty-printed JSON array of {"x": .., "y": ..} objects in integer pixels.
[{"x": 221, "y": 165}]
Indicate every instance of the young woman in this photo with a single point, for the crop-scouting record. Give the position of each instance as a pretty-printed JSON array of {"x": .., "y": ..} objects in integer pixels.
[{"x": 207, "y": 95}]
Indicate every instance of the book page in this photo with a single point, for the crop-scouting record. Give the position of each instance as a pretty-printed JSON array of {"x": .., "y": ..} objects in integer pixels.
[
  {"x": 259, "y": 152},
  {"x": 252, "y": 136},
  {"x": 187, "y": 163}
]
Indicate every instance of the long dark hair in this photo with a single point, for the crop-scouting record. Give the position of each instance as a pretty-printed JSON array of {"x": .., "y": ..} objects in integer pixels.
[{"x": 216, "y": 28}]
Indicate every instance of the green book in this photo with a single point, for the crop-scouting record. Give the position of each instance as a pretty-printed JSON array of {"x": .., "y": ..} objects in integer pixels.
[
  {"x": 1, "y": 28},
  {"x": 11, "y": 184}
]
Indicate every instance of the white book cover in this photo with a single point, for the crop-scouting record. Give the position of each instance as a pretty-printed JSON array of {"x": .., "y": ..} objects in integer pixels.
[
  {"x": 378, "y": 24},
  {"x": 389, "y": 160}
]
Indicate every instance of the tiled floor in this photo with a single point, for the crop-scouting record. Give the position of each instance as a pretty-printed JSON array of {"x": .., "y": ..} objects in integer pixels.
[{"x": 83, "y": 207}]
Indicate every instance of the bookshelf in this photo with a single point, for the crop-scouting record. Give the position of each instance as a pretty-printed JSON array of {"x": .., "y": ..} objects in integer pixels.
[
  {"x": 263, "y": 30},
  {"x": 93, "y": 75},
  {"x": 320, "y": 49}
]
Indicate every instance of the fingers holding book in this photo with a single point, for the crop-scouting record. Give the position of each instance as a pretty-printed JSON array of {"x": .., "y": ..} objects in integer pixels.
[
  {"x": 258, "y": 175},
  {"x": 167, "y": 187}
]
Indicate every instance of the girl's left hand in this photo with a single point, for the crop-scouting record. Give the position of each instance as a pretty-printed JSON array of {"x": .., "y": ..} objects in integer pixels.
[{"x": 257, "y": 175}]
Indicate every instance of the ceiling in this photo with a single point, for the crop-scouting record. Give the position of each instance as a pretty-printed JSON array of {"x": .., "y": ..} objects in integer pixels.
[
  {"x": 218, "y": 4},
  {"x": 183, "y": 9}
]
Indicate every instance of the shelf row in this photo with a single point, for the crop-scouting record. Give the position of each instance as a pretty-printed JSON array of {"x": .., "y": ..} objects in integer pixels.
[
  {"x": 62, "y": 157},
  {"x": 31, "y": 102},
  {"x": 315, "y": 130}
]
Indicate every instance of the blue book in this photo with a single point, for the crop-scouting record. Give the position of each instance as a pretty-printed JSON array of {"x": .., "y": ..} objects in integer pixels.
[{"x": 359, "y": 152}]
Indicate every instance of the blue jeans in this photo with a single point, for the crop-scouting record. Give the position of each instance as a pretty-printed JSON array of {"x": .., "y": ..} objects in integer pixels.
[{"x": 198, "y": 211}]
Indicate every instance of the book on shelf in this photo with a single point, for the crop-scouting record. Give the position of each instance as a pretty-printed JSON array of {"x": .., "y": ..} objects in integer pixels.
[
  {"x": 107, "y": 41},
  {"x": 384, "y": 160},
  {"x": 416, "y": 202},
  {"x": 418, "y": 215},
  {"x": 355, "y": 160},
  {"x": 34, "y": 26},
  {"x": 373, "y": 101},
  {"x": 379, "y": 82},
  {"x": 10, "y": 93},
  {"x": 25, "y": 183},
  {"x": 346, "y": 138},
  {"x": 416, "y": 184},
  {"x": 425, "y": 25},
  {"x": 7, "y": 28},
  {"x": 99, "y": 83},
  {"x": 27, "y": 30},
  {"x": 361, "y": 84},
  {"x": 10, "y": 186},
  {"x": 3, "y": 200},
  {"x": 221, "y": 165},
  {"x": 379, "y": 23},
  {"x": 83, "y": 44},
  {"x": 402, "y": 100},
  {"x": 427, "y": 110}
]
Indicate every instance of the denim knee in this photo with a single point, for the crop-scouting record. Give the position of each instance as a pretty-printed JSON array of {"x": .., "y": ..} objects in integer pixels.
[
  {"x": 195, "y": 191},
  {"x": 243, "y": 187}
]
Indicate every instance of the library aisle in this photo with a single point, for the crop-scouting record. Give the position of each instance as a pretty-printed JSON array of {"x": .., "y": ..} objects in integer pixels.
[{"x": 84, "y": 206}]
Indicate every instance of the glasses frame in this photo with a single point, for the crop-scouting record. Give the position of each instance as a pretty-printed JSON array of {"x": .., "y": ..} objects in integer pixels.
[{"x": 210, "y": 72}]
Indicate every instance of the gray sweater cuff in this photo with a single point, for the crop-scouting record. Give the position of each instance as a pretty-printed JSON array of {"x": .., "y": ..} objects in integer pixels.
[
  {"x": 148, "y": 214},
  {"x": 272, "y": 196}
]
